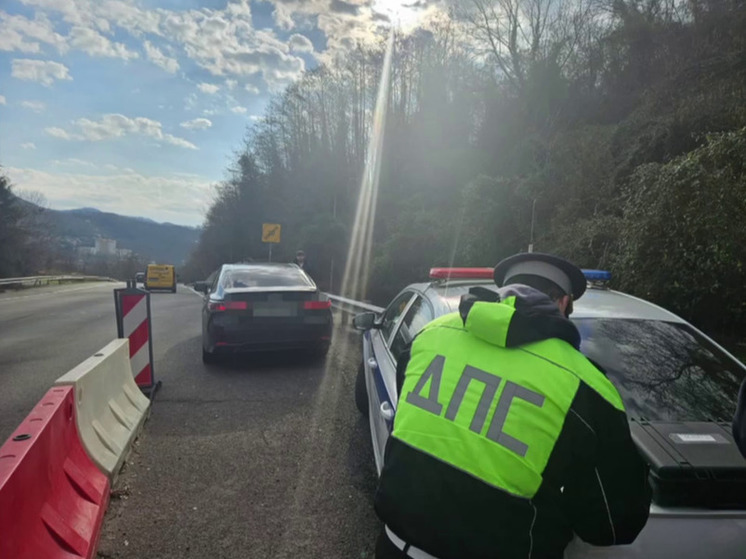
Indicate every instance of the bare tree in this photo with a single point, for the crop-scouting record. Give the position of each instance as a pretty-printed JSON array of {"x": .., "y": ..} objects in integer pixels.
[{"x": 519, "y": 34}]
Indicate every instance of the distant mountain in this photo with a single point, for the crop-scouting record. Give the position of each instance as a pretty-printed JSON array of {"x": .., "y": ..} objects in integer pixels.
[{"x": 164, "y": 243}]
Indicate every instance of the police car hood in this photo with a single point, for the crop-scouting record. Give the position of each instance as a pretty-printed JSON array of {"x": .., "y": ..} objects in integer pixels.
[{"x": 515, "y": 316}]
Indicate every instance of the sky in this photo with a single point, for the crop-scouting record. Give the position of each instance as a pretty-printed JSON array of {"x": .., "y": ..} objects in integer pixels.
[{"x": 138, "y": 106}]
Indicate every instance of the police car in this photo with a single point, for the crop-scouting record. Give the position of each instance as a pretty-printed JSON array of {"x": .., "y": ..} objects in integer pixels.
[{"x": 679, "y": 387}]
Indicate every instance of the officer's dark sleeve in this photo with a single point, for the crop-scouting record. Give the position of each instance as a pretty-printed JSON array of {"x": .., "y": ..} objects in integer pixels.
[
  {"x": 607, "y": 495},
  {"x": 401, "y": 366},
  {"x": 739, "y": 420}
]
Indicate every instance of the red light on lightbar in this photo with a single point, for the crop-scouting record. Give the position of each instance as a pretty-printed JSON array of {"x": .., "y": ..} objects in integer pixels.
[
  {"x": 462, "y": 273},
  {"x": 317, "y": 305},
  {"x": 228, "y": 306}
]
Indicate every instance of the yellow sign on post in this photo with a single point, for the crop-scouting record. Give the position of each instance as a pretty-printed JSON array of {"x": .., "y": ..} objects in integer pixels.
[{"x": 271, "y": 232}]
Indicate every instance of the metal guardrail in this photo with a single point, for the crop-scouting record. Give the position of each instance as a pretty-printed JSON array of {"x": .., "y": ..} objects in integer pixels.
[
  {"x": 351, "y": 306},
  {"x": 37, "y": 281}
]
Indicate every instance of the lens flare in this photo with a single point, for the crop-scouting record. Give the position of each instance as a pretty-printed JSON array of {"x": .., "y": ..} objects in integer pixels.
[{"x": 359, "y": 254}]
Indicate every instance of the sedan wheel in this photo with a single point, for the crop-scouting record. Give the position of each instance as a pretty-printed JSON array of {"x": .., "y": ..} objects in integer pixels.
[{"x": 209, "y": 358}]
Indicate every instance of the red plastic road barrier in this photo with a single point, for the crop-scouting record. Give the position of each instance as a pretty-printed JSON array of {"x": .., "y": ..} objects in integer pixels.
[
  {"x": 133, "y": 322},
  {"x": 52, "y": 495}
]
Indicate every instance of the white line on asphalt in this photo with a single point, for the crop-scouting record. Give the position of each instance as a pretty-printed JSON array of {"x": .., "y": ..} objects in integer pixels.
[
  {"x": 197, "y": 293},
  {"x": 50, "y": 293}
]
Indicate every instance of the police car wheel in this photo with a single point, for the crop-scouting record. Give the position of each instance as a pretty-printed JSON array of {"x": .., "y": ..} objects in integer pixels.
[{"x": 361, "y": 392}]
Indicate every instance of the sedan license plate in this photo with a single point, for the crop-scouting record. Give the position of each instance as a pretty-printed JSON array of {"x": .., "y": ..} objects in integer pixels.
[{"x": 275, "y": 309}]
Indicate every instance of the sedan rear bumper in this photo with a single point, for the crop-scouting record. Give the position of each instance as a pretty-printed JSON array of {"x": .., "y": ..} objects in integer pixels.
[{"x": 269, "y": 337}]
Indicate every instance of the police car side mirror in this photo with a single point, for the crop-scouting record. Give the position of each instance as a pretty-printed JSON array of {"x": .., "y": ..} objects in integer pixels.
[{"x": 365, "y": 321}]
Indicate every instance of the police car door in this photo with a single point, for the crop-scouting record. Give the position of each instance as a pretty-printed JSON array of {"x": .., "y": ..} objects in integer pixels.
[{"x": 381, "y": 373}]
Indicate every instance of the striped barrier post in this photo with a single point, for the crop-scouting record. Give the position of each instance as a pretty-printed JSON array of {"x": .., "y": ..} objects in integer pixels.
[{"x": 133, "y": 322}]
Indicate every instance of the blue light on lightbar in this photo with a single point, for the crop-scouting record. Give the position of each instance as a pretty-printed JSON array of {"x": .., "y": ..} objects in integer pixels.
[{"x": 597, "y": 275}]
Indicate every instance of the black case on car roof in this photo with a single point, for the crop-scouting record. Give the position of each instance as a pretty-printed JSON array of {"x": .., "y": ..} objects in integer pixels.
[{"x": 692, "y": 464}]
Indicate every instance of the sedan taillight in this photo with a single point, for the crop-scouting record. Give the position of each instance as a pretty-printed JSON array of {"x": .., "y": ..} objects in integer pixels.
[
  {"x": 317, "y": 305},
  {"x": 220, "y": 306}
]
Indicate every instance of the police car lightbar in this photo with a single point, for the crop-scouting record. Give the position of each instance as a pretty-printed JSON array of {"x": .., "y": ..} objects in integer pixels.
[
  {"x": 597, "y": 275},
  {"x": 462, "y": 273}
]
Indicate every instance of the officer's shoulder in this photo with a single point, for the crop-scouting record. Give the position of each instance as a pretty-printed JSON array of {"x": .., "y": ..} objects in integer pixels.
[
  {"x": 589, "y": 374},
  {"x": 448, "y": 319}
]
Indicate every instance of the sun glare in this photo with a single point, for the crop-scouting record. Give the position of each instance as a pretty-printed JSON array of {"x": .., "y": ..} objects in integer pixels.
[{"x": 402, "y": 13}]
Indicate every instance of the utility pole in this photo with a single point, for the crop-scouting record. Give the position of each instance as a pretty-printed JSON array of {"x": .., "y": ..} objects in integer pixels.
[
  {"x": 533, "y": 219},
  {"x": 331, "y": 266}
]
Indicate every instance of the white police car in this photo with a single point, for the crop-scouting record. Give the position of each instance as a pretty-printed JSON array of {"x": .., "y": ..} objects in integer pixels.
[{"x": 679, "y": 388}]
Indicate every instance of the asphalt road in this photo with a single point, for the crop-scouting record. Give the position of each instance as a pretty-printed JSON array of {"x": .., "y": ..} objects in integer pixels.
[
  {"x": 45, "y": 332},
  {"x": 259, "y": 457}
]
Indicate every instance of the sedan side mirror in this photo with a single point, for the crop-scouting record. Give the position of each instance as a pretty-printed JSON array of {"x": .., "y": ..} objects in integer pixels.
[
  {"x": 201, "y": 286},
  {"x": 366, "y": 321}
]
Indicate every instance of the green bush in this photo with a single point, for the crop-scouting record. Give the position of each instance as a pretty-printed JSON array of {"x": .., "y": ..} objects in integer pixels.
[{"x": 683, "y": 238}]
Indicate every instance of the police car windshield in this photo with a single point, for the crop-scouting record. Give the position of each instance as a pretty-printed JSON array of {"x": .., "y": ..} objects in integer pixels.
[{"x": 664, "y": 371}]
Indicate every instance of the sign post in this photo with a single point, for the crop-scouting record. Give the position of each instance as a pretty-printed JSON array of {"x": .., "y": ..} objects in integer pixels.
[
  {"x": 132, "y": 308},
  {"x": 271, "y": 233}
]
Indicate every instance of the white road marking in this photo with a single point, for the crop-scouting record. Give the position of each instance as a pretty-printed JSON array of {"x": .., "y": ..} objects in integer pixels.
[
  {"x": 197, "y": 293},
  {"x": 58, "y": 291}
]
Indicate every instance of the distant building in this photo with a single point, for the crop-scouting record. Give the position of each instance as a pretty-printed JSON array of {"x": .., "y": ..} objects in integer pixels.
[{"x": 105, "y": 247}]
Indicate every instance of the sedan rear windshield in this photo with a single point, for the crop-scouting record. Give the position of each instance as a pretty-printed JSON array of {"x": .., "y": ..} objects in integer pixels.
[
  {"x": 264, "y": 277},
  {"x": 664, "y": 371}
]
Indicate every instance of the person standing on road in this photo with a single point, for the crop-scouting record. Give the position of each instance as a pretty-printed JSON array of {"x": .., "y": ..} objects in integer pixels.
[
  {"x": 300, "y": 259},
  {"x": 302, "y": 263},
  {"x": 507, "y": 440}
]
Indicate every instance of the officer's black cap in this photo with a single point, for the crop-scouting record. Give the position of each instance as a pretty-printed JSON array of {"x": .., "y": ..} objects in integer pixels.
[{"x": 566, "y": 275}]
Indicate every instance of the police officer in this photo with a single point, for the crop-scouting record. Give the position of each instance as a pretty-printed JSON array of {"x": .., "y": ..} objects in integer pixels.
[
  {"x": 300, "y": 259},
  {"x": 507, "y": 441}
]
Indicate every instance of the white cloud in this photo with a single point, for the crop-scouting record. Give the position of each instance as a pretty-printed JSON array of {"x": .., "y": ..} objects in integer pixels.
[
  {"x": 170, "y": 65},
  {"x": 117, "y": 126},
  {"x": 239, "y": 110},
  {"x": 197, "y": 124},
  {"x": 59, "y": 133},
  {"x": 20, "y": 33},
  {"x": 11, "y": 40},
  {"x": 36, "y": 106},
  {"x": 176, "y": 198},
  {"x": 88, "y": 13},
  {"x": 256, "y": 118},
  {"x": 74, "y": 162},
  {"x": 208, "y": 88},
  {"x": 130, "y": 17},
  {"x": 300, "y": 43},
  {"x": 2, "y": 100},
  {"x": 93, "y": 43},
  {"x": 252, "y": 89},
  {"x": 224, "y": 42},
  {"x": 42, "y": 71},
  {"x": 28, "y": 145}
]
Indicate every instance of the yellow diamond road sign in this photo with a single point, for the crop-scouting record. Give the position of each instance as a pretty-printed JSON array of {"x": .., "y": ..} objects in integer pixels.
[{"x": 271, "y": 232}]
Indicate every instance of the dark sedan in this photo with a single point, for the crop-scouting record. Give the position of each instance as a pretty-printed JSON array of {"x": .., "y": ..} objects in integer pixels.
[{"x": 259, "y": 307}]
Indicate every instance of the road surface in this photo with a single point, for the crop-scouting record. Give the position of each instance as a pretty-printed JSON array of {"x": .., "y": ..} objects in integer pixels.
[
  {"x": 260, "y": 457},
  {"x": 45, "y": 332}
]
